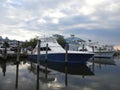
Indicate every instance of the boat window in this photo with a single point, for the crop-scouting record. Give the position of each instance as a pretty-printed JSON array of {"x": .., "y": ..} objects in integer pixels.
[
  {"x": 44, "y": 49},
  {"x": 48, "y": 40},
  {"x": 83, "y": 49}
]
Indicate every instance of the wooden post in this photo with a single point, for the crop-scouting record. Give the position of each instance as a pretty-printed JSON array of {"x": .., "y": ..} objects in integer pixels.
[
  {"x": 66, "y": 78},
  {"x": 38, "y": 63},
  {"x": 5, "y": 52},
  {"x": 37, "y": 78},
  {"x": 93, "y": 64},
  {"x": 66, "y": 65},
  {"x": 17, "y": 65},
  {"x": 31, "y": 53},
  {"x": 17, "y": 73},
  {"x": 93, "y": 49},
  {"x": 66, "y": 54},
  {"x": 46, "y": 59},
  {"x": 18, "y": 52},
  {"x": 38, "y": 52},
  {"x": 4, "y": 67}
]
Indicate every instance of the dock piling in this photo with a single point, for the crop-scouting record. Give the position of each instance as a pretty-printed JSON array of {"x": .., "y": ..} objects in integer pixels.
[
  {"x": 93, "y": 64},
  {"x": 5, "y": 50},
  {"x": 38, "y": 65},
  {"x": 38, "y": 52},
  {"x": 17, "y": 73},
  {"x": 66, "y": 65},
  {"x": 93, "y": 49},
  {"x": 46, "y": 60},
  {"x": 66, "y": 54},
  {"x": 17, "y": 64},
  {"x": 37, "y": 78},
  {"x": 18, "y": 52}
]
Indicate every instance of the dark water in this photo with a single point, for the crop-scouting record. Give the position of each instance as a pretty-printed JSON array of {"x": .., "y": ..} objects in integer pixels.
[{"x": 98, "y": 74}]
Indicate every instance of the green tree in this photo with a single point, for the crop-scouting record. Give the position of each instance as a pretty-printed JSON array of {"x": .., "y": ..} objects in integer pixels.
[
  {"x": 31, "y": 43},
  {"x": 61, "y": 41}
]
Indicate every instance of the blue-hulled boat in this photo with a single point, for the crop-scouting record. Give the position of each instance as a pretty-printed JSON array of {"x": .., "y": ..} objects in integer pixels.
[{"x": 56, "y": 54}]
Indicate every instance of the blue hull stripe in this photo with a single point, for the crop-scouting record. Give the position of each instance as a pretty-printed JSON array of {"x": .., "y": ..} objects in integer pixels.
[{"x": 60, "y": 57}]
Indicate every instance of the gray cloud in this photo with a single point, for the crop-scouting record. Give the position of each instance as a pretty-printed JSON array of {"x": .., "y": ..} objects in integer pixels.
[{"x": 53, "y": 16}]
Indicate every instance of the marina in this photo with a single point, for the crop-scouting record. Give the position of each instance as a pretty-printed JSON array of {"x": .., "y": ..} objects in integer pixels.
[
  {"x": 49, "y": 66},
  {"x": 59, "y": 45}
]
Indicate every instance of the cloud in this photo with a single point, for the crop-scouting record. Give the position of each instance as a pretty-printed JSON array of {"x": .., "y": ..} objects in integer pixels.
[{"x": 53, "y": 16}]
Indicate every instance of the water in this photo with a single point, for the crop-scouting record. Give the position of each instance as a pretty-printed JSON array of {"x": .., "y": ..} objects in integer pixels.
[{"x": 102, "y": 74}]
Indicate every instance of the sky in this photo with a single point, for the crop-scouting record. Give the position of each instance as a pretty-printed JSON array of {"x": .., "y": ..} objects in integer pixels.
[{"x": 96, "y": 20}]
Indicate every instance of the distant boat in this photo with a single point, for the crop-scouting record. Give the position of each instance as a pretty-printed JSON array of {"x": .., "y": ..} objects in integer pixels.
[
  {"x": 56, "y": 54},
  {"x": 100, "y": 51},
  {"x": 104, "y": 51}
]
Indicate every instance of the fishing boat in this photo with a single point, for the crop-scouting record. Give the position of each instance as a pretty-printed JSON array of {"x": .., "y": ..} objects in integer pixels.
[{"x": 56, "y": 54}]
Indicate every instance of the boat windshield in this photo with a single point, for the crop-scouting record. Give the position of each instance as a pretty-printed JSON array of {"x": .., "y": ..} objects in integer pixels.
[{"x": 50, "y": 39}]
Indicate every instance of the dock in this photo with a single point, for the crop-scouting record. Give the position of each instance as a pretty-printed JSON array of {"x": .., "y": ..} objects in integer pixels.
[{"x": 7, "y": 53}]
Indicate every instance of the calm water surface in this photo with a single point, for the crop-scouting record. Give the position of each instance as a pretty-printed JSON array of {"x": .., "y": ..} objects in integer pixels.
[{"x": 98, "y": 74}]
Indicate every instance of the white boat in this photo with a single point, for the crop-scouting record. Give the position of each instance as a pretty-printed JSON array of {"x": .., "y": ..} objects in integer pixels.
[
  {"x": 100, "y": 51},
  {"x": 56, "y": 54},
  {"x": 103, "y": 51}
]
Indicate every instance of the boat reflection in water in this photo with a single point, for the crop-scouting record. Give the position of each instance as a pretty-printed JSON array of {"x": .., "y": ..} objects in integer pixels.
[
  {"x": 52, "y": 69},
  {"x": 107, "y": 61},
  {"x": 17, "y": 73},
  {"x": 47, "y": 76},
  {"x": 3, "y": 66},
  {"x": 100, "y": 62}
]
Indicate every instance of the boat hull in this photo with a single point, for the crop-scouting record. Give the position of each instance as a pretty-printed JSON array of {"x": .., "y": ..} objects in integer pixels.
[
  {"x": 103, "y": 54},
  {"x": 73, "y": 58}
]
